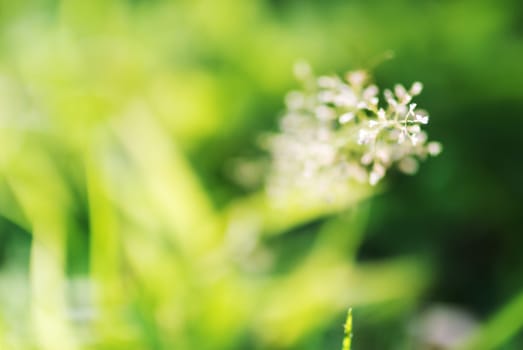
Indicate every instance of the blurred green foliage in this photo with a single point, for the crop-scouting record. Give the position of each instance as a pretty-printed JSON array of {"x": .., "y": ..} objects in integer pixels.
[{"x": 122, "y": 225}]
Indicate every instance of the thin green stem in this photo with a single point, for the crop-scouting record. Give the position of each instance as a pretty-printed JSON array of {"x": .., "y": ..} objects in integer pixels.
[{"x": 347, "y": 340}]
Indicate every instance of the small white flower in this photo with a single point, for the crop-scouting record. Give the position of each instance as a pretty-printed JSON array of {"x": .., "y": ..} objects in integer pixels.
[
  {"x": 414, "y": 129},
  {"x": 379, "y": 169},
  {"x": 423, "y": 119},
  {"x": 414, "y": 139},
  {"x": 434, "y": 148},
  {"x": 389, "y": 97},
  {"x": 416, "y": 88},
  {"x": 408, "y": 165},
  {"x": 381, "y": 114},
  {"x": 365, "y": 136},
  {"x": 374, "y": 178},
  {"x": 422, "y": 138},
  {"x": 383, "y": 154},
  {"x": 346, "y": 117},
  {"x": 357, "y": 78},
  {"x": 400, "y": 92},
  {"x": 370, "y": 92},
  {"x": 402, "y": 110},
  {"x": 377, "y": 173}
]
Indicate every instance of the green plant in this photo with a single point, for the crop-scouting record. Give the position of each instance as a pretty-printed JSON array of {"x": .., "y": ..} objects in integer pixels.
[
  {"x": 347, "y": 329},
  {"x": 125, "y": 245}
]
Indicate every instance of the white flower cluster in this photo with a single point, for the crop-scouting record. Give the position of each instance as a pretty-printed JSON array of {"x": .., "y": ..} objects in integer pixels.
[{"x": 338, "y": 129}]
